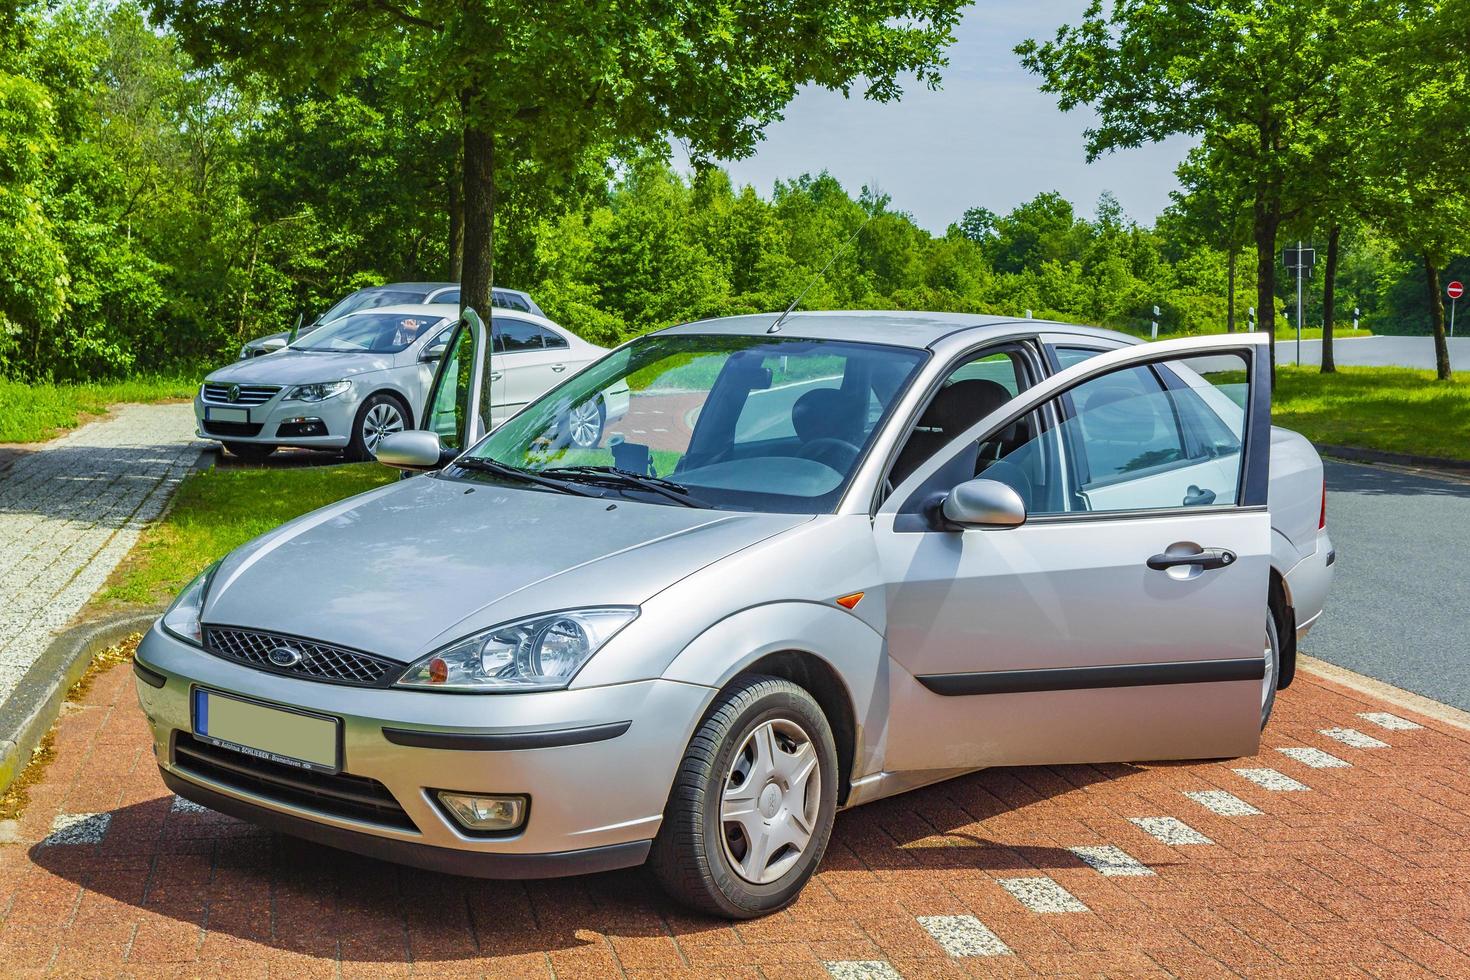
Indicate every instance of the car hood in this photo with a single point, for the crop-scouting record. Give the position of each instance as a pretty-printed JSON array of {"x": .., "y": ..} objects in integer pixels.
[
  {"x": 292, "y": 367},
  {"x": 404, "y": 569}
]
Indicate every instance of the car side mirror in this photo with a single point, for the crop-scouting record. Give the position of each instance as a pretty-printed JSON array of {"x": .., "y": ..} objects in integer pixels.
[
  {"x": 983, "y": 503},
  {"x": 411, "y": 449},
  {"x": 433, "y": 354}
]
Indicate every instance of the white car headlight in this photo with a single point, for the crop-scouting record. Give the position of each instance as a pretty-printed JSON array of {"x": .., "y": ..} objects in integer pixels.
[
  {"x": 538, "y": 654},
  {"x": 318, "y": 392},
  {"x": 182, "y": 618}
]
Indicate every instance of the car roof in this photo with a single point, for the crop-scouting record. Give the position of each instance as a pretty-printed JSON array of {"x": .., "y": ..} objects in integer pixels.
[
  {"x": 900, "y": 328},
  {"x": 425, "y": 309},
  {"x": 430, "y": 287}
]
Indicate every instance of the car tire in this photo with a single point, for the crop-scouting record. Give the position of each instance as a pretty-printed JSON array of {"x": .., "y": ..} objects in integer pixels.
[
  {"x": 585, "y": 424},
  {"x": 1272, "y": 655},
  {"x": 706, "y": 859},
  {"x": 379, "y": 415},
  {"x": 250, "y": 452}
]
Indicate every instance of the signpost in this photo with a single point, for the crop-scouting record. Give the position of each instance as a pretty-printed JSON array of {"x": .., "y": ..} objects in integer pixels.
[
  {"x": 1154, "y": 328},
  {"x": 1456, "y": 289},
  {"x": 1300, "y": 260}
]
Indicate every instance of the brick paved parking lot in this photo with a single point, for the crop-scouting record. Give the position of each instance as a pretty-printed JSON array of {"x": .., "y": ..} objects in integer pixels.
[{"x": 1340, "y": 850}]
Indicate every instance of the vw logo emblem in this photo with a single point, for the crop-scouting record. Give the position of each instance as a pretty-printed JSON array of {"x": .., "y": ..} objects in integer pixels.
[
  {"x": 234, "y": 393},
  {"x": 284, "y": 656}
]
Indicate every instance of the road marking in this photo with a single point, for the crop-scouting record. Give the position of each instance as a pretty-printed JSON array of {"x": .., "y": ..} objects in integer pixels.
[
  {"x": 1315, "y": 758},
  {"x": 1170, "y": 830},
  {"x": 862, "y": 970},
  {"x": 1041, "y": 894},
  {"x": 181, "y": 805},
  {"x": 78, "y": 828},
  {"x": 1277, "y": 782},
  {"x": 963, "y": 935},
  {"x": 1112, "y": 862},
  {"x": 1223, "y": 803},
  {"x": 1392, "y": 722},
  {"x": 1354, "y": 738}
]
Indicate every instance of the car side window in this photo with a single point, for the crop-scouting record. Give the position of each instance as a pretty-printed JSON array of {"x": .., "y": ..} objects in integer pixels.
[
  {"x": 552, "y": 340},
  {"x": 514, "y": 336},
  {"x": 1067, "y": 356}
]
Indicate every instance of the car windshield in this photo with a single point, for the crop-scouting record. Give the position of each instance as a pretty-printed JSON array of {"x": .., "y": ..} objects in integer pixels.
[
  {"x": 738, "y": 423},
  {"x": 371, "y": 298},
  {"x": 372, "y": 333}
]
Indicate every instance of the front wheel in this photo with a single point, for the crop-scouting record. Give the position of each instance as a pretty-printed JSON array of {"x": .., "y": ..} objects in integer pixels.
[
  {"x": 753, "y": 803},
  {"x": 1272, "y": 656},
  {"x": 381, "y": 415}
]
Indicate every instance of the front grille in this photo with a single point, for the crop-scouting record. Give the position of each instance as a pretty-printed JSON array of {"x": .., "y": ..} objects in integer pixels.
[
  {"x": 249, "y": 429},
  {"x": 342, "y": 795},
  {"x": 319, "y": 661},
  {"x": 249, "y": 394}
]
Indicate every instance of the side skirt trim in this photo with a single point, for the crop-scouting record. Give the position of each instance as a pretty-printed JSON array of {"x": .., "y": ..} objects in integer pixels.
[{"x": 1087, "y": 678}]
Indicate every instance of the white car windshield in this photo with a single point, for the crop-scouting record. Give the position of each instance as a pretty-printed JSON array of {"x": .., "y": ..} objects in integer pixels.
[
  {"x": 371, "y": 298},
  {"x": 741, "y": 423},
  {"x": 370, "y": 333}
]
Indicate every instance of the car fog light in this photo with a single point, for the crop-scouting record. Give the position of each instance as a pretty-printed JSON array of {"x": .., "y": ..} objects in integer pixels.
[{"x": 485, "y": 814}]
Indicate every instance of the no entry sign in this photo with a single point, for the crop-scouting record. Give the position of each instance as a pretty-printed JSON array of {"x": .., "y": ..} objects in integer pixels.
[{"x": 1455, "y": 289}]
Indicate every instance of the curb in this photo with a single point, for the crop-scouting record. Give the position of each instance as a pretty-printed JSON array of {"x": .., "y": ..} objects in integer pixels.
[
  {"x": 36, "y": 701},
  {"x": 1396, "y": 696},
  {"x": 1354, "y": 454}
]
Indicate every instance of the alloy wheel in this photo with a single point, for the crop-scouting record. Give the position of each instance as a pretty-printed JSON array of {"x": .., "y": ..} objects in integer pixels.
[
  {"x": 770, "y": 801},
  {"x": 585, "y": 425},
  {"x": 381, "y": 420}
]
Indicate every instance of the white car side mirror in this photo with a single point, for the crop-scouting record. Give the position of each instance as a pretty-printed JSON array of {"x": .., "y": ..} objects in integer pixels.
[
  {"x": 984, "y": 503},
  {"x": 412, "y": 449}
]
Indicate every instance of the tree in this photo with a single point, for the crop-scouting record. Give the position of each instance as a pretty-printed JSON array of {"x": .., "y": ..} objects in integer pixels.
[
  {"x": 1213, "y": 206},
  {"x": 1256, "y": 83},
  {"x": 535, "y": 94}
]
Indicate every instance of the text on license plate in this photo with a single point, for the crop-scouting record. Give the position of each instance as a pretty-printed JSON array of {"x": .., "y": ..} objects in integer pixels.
[{"x": 292, "y": 738}]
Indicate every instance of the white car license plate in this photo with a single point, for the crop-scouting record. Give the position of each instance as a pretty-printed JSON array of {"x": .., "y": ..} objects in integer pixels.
[
  {"x": 293, "y": 738},
  {"x": 226, "y": 414}
]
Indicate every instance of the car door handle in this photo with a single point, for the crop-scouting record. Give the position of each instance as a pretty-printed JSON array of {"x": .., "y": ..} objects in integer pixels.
[
  {"x": 558, "y": 368},
  {"x": 495, "y": 375},
  {"x": 1205, "y": 558}
]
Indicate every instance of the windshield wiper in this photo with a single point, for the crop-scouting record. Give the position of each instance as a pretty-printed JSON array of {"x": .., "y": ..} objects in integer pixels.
[
  {"x": 485, "y": 465},
  {"x": 612, "y": 476}
]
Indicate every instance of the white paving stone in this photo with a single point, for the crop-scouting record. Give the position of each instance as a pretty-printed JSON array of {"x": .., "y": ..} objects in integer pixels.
[
  {"x": 1170, "y": 830},
  {"x": 181, "y": 805},
  {"x": 1277, "y": 782},
  {"x": 862, "y": 970},
  {"x": 1223, "y": 803},
  {"x": 1315, "y": 758},
  {"x": 78, "y": 828},
  {"x": 1354, "y": 738},
  {"x": 1041, "y": 894},
  {"x": 963, "y": 935},
  {"x": 1392, "y": 722},
  {"x": 71, "y": 509},
  {"x": 1113, "y": 862}
]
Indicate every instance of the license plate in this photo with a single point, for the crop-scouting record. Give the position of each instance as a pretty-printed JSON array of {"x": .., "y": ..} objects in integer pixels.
[
  {"x": 292, "y": 738},
  {"x": 226, "y": 414}
]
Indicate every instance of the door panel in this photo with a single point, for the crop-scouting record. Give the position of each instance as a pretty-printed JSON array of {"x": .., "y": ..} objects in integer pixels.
[{"x": 1056, "y": 641}]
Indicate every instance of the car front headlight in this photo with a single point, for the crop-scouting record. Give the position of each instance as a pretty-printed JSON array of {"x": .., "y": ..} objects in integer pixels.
[
  {"x": 182, "y": 619},
  {"x": 244, "y": 352},
  {"x": 538, "y": 654},
  {"x": 318, "y": 392}
]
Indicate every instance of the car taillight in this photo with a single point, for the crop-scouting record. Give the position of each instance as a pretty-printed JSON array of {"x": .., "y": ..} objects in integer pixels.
[{"x": 1322, "y": 520}]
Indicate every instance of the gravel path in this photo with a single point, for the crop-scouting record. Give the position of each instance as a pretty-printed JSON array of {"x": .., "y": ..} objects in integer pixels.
[{"x": 70, "y": 510}]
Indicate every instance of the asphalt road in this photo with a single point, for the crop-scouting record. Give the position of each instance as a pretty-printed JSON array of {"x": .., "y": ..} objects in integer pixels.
[
  {"x": 1399, "y": 609},
  {"x": 1414, "y": 352}
]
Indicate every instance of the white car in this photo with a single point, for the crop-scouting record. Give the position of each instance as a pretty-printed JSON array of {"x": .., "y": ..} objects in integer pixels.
[{"x": 355, "y": 380}]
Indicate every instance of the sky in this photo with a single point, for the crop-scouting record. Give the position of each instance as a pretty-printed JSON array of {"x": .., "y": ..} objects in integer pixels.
[{"x": 987, "y": 137}]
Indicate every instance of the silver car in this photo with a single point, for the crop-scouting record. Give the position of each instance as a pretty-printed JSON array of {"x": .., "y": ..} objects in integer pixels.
[
  {"x": 819, "y": 562},
  {"x": 365, "y": 375}
]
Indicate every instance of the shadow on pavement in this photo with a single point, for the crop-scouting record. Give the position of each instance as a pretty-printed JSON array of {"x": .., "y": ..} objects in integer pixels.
[
  {"x": 281, "y": 459},
  {"x": 249, "y": 888},
  {"x": 1382, "y": 481}
]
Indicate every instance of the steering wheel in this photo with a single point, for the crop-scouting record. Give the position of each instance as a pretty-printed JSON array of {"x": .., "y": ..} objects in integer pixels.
[{"x": 839, "y": 454}]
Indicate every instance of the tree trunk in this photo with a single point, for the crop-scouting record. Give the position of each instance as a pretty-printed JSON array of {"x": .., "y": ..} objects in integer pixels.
[
  {"x": 456, "y": 216},
  {"x": 1329, "y": 300},
  {"x": 1436, "y": 319},
  {"x": 478, "y": 274},
  {"x": 1230, "y": 291},
  {"x": 1267, "y": 218}
]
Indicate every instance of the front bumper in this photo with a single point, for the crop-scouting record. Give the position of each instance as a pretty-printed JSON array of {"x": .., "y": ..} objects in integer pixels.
[
  {"x": 282, "y": 423},
  {"x": 595, "y": 803}
]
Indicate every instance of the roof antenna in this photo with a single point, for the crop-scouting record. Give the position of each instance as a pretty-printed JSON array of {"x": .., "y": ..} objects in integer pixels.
[{"x": 775, "y": 327}]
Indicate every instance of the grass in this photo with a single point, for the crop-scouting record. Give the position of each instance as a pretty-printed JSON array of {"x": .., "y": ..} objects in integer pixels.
[
  {"x": 1394, "y": 409},
  {"x": 37, "y": 412},
  {"x": 218, "y": 510}
]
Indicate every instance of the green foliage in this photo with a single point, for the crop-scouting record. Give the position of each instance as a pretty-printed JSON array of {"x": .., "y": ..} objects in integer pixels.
[
  {"x": 1376, "y": 408},
  {"x": 36, "y": 412}
]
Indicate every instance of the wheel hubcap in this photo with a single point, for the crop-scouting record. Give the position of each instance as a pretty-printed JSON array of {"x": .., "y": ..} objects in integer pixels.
[
  {"x": 769, "y": 806},
  {"x": 1269, "y": 681},
  {"x": 583, "y": 423},
  {"x": 381, "y": 420}
]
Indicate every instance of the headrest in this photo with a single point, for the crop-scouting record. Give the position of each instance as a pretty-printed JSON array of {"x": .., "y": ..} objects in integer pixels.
[
  {"x": 962, "y": 404},
  {"x": 822, "y": 413}
]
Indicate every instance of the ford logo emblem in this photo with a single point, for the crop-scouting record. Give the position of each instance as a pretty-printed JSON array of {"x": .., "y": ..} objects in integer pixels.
[{"x": 284, "y": 656}]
